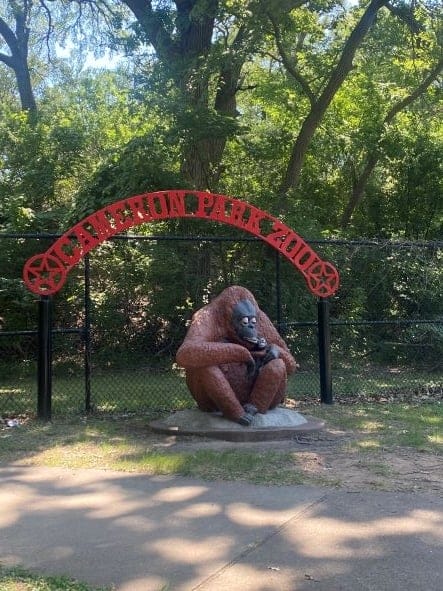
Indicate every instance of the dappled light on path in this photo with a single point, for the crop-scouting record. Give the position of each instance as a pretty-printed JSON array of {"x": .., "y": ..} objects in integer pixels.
[{"x": 142, "y": 533}]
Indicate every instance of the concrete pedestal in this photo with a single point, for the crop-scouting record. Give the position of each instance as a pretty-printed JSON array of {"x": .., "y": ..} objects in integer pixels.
[{"x": 280, "y": 423}]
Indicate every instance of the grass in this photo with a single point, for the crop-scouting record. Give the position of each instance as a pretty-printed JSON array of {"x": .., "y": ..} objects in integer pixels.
[
  {"x": 126, "y": 390},
  {"x": 113, "y": 391},
  {"x": 126, "y": 444},
  {"x": 17, "y": 579},
  {"x": 367, "y": 380},
  {"x": 418, "y": 426}
]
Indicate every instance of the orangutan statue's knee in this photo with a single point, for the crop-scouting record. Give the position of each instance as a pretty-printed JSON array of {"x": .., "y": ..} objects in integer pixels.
[
  {"x": 212, "y": 391},
  {"x": 270, "y": 386}
]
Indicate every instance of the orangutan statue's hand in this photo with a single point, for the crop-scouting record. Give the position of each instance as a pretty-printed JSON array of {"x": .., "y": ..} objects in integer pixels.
[{"x": 271, "y": 353}]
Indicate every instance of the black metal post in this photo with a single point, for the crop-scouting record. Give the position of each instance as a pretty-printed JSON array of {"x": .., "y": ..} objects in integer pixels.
[
  {"x": 87, "y": 335},
  {"x": 44, "y": 362},
  {"x": 324, "y": 351},
  {"x": 278, "y": 290}
]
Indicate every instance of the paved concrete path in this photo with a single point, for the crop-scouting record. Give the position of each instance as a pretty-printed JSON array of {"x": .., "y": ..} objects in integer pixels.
[{"x": 145, "y": 533}]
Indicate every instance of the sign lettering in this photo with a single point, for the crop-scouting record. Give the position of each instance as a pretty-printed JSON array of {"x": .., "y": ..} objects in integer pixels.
[{"x": 45, "y": 274}]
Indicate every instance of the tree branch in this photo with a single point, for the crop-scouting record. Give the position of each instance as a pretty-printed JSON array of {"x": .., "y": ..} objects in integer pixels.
[
  {"x": 318, "y": 109},
  {"x": 7, "y": 59},
  {"x": 373, "y": 156},
  {"x": 50, "y": 27},
  {"x": 421, "y": 88},
  {"x": 406, "y": 14},
  {"x": 152, "y": 24},
  {"x": 9, "y": 36},
  {"x": 288, "y": 64}
]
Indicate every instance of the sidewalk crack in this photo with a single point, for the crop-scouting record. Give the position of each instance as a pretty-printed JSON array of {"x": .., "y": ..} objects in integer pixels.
[{"x": 252, "y": 547}]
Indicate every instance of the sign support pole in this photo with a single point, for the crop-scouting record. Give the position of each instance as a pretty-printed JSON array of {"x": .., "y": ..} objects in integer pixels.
[
  {"x": 44, "y": 362},
  {"x": 87, "y": 335},
  {"x": 324, "y": 351}
]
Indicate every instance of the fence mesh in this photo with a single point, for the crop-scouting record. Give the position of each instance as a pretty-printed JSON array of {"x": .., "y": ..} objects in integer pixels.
[{"x": 386, "y": 319}]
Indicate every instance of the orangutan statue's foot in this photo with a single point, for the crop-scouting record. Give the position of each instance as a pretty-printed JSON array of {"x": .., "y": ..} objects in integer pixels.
[
  {"x": 245, "y": 420},
  {"x": 250, "y": 409}
]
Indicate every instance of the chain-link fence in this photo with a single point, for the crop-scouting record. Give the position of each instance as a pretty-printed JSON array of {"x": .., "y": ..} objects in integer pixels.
[{"x": 123, "y": 313}]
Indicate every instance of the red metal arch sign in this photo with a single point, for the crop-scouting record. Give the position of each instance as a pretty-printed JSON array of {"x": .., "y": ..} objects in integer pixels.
[{"x": 45, "y": 274}]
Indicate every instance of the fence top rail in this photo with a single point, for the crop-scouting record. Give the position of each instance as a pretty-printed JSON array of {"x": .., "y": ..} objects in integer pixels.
[
  {"x": 333, "y": 322},
  {"x": 23, "y": 333},
  {"x": 329, "y": 241},
  {"x": 280, "y": 323}
]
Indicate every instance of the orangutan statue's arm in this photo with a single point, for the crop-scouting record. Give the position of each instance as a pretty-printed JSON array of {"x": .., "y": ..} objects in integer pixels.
[
  {"x": 203, "y": 346},
  {"x": 194, "y": 353},
  {"x": 273, "y": 338}
]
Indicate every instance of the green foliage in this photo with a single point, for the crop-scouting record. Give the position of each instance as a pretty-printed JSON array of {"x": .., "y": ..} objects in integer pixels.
[
  {"x": 415, "y": 196},
  {"x": 19, "y": 579},
  {"x": 77, "y": 154},
  {"x": 145, "y": 163},
  {"x": 395, "y": 283}
]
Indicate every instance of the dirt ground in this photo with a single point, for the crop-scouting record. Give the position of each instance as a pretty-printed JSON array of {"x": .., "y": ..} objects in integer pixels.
[{"x": 335, "y": 458}]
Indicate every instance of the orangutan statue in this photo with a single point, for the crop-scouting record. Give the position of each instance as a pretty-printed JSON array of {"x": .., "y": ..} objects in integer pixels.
[{"x": 235, "y": 360}]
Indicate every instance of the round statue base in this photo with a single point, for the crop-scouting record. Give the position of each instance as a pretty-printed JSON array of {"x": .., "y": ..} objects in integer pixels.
[{"x": 279, "y": 423}]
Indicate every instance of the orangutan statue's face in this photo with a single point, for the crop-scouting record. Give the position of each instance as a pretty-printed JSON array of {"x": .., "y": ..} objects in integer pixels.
[{"x": 244, "y": 321}]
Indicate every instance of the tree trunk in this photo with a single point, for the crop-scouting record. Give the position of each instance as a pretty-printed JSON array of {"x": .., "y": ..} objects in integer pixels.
[
  {"x": 23, "y": 77},
  {"x": 203, "y": 157},
  {"x": 18, "y": 60},
  {"x": 184, "y": 55},
  {"x": 318, "y": 108},
  {"x": 359, "y": 187}
]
